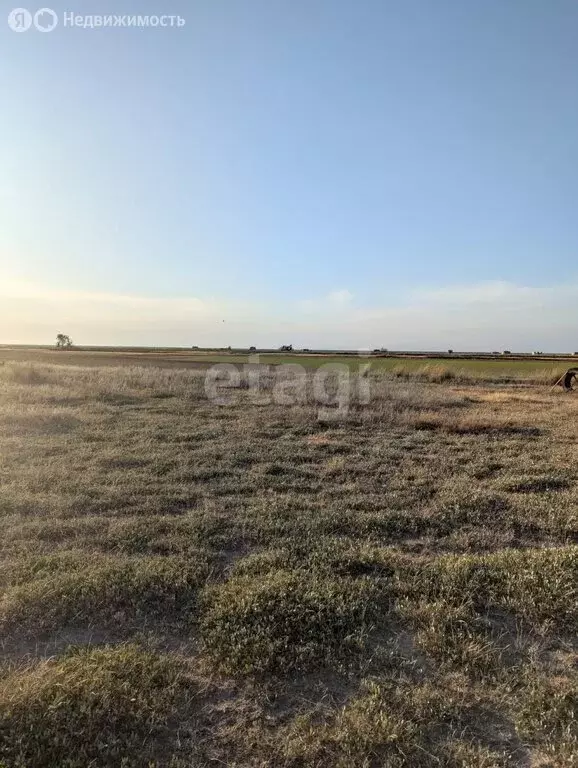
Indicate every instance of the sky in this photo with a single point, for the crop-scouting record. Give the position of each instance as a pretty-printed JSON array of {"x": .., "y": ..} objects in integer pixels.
[{"x": 325, "y": 173}]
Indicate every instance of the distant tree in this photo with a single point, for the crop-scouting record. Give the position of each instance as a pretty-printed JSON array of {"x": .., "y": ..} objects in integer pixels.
[
  {"x": 450, "y": 351},
  {"x": 286, "y": 348},
  {"x": 252, "y": 349},
  {"x": 63, "y": 341}
]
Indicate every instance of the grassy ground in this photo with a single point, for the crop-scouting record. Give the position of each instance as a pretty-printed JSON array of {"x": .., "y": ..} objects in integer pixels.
[
  {"x": 183, "y": 584},
  {"x": 495, "y": 369}
]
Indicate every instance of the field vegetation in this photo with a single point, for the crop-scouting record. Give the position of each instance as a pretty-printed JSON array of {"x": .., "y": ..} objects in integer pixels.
[
  {"x": 483, "y": 370},
  {"x": 186, "y": 584}
]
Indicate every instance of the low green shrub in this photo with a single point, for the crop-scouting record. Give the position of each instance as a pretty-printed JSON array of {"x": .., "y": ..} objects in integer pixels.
[
  {"x": 106, "y": 706},
  {"x": 286, "y": 621}
]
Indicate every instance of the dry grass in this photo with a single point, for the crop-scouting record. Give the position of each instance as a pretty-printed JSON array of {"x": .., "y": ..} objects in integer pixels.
[
  {"x": 187, "y": 584},
  {"x": 439, "y": 373}
]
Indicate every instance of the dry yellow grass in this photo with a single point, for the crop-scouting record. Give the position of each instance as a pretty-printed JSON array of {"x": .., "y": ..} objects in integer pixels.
[{"x": 187, "y": 584}]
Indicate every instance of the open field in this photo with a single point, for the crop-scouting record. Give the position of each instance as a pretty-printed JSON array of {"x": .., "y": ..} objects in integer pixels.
[
  {"x": 185, "y": 584},
  {"x": 486, "y": 369}
]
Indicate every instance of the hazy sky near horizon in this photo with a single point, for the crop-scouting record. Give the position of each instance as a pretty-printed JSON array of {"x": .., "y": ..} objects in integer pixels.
[{"x": 327, "y": 173}]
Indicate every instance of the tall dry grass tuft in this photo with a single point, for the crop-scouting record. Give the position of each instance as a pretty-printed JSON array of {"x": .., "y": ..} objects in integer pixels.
[
  {"x": 26, "y": 374},
  {"x": 548, "y": 376},
  {"x": 436, "y": 373},
  {"x": 92, "y": 382}
]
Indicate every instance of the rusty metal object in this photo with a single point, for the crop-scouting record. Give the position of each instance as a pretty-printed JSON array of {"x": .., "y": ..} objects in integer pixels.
[
  {"x": 569, "y": 376},
  {"x": 566, "y": 379}
]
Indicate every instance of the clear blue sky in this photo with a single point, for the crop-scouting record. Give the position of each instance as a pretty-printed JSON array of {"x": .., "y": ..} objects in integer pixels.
[{"x": 337, "y": 172}]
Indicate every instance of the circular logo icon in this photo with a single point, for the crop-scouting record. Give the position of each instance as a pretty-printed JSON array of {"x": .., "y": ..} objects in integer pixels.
[
  {"x": 19, "y": 20},
  {"x": 45, "y": 20}
]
